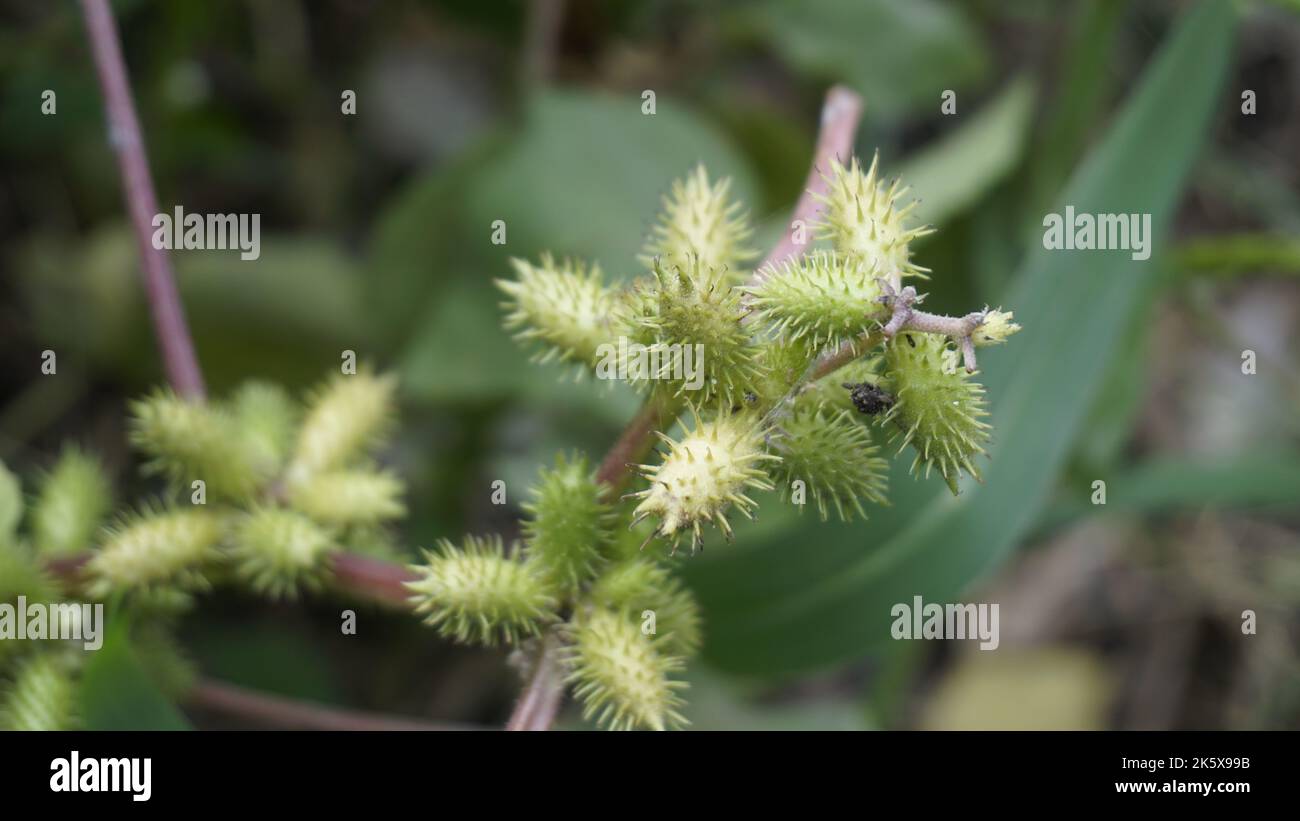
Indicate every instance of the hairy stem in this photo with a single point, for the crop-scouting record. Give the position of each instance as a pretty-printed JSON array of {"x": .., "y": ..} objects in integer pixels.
[{"x": 179, "y": 361}]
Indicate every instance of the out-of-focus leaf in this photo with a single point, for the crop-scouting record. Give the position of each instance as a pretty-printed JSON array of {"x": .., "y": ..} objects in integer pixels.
[
  {"x": 900, "y": 54},
  {"x": 289, "y": 313},
  {"x": 1086, "y": 83},
  {"x": 459, "y": 351},
  {"x": 586, "y": 176},
  {"x": 272, "y": 659},
  {"x": 805, "y": 600},
  {"x": 418, "y": 244},
  {"x": 1262, "y": 480},
  {"x": 116, "y": 693},
  {"x": 953, "y": 172},
  {"x": 1240, "y": 254},
  {"x": 1114, "y": 412},
  {"x": 461, "y": 354}
]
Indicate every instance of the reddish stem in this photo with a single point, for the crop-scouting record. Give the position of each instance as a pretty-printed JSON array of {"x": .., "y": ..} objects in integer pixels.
[
  {"x": 181, "y": 365},
  {"x": 633, "y": 444},
  {"x": 840, "y": 116},
  {"x": 286, "y": 713},
  {"x": 540, "y": 700},
  {"x": 373, "y": 578}
]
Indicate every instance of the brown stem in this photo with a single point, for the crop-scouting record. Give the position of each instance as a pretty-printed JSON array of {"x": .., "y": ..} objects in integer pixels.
[
  {"x": 542, "y": 34},
  {"x": 179, "y": 361},
  {"x": 633, "y": 444},
  {"x": 541, "y": 697},
  {"x": 287, "y": 713},
  {"x": 372, "y": 578}
]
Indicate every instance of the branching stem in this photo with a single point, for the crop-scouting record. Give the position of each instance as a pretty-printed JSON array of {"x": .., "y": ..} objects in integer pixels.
[{"x": 905, "y": 317}]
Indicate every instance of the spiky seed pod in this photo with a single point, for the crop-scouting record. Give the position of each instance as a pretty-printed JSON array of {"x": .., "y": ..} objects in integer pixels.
[
  {"x": 564, "y": 308},
  {"x": 479, "y": 595},
  {"x": 279, "y": 552},
  {"x": 688, "y": 319},
  {"x": 42, "y": 694},
  {"x": 707, "y": 471},
  {"x": 820, "y": 299},
  {"x": 267, "y": 419},
  {"x": 832, "y": 453},
  {"x": 157, "y": 551},
  {"x": 782, "y": 363},
  {"x": 636, "y": 585},
  {"x": 623, "y": 681},
  {"x": 74, "y": 497},
  {"x": 995, "y": 328},
  {"x": 699, "y": 221},
  {"x": 187, "y": 440},
  {"x": 348, "y": 497},
  {"x": 347, "y": 417},
  {"x": 860, "y": 216},
  {"x": 568, "y": 525},
  {"x": 937, "y": 406}
]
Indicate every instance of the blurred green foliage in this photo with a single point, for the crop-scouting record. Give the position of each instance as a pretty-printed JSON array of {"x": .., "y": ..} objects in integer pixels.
[{"x": 376, "y": 238}]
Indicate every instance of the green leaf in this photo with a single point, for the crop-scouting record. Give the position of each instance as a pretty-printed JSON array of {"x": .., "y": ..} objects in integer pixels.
[
  {"x": 952, "y": 173},
  {"x": 1236, "y": 255},
  {"x": 1259, "y": 480},
  {"x": 806, "y": 601},
  {"x": 274, "y": 659},
  {"x": 117, "y": 694},
  {"x": 900, "y": 55}
]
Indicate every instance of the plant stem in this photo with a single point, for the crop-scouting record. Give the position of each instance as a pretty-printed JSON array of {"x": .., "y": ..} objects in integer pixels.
[
  {"x": 633, "y": 444},
  {"x": 841, "y": 113},
  {"x": 372, "y": 578},
  {"x": 179, "y": 361},
  {"x": 540, "y": 700},
  {"x": 286, "y": 713}
]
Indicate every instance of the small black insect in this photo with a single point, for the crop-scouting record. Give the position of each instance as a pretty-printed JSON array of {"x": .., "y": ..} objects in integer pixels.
[{"x": 868, "y": 398}]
